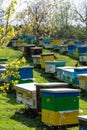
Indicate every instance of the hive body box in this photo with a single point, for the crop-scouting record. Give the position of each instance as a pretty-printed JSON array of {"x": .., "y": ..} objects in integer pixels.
[
  {"x": 79, "y": 70},
  {"x": 3, "y": 60},
  {"x": 71, "y": 49},
  {"x": 83, "y": 57},
  {"x": 82, "y": 122},
  {"x": 68, "y": 75},
  {"x": 26, "y": 49},
  {"x": 36, "y": 59},
  {"x": 82, "y": 81},
  {"x": 50, "y": 66},
  {"x": 60, "y": 71},
  {"x": 40, "y": 86},
  {"x": 36, "y": 50},
  {"x": 26, "y": 74},
  {"x": 60, "y": 107},
  {"x": 63, "y": 49},
  {"x": 3, "y": 66},
  {"x": 56, "y": 44},
  {"x": 46, "y": 57},
  {"x": 26, "y": 94},
  {"x": 46, "y": 43}
]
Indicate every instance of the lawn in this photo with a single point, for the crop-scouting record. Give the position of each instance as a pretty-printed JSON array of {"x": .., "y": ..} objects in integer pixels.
[{"x": 12, "y": 115}]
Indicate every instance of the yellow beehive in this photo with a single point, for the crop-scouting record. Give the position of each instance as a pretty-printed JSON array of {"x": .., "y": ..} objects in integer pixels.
[
  {"x": 20, "y": 42},
  {"x": 46, "y": 57},
  {"x": 76, "y": 53},
  {"x": 70, "y": 42},
  {"x": 59, "y": 118},
  {"x": 55, "y": 42},
  {"x": 82, "y": 81}
]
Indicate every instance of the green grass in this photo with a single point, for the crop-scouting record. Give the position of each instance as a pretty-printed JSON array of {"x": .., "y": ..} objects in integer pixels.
[
  {"x": 10, "y": 53},
  {"x": 11, "y": 113}
]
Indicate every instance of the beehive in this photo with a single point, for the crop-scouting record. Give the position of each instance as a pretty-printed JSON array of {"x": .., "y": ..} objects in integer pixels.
[
  {"x": 26, "y": 94},
  {"x": 60, "y": 70},
  {"x": 83, "y": 57},
  {"x": 55, "y": 44},
  {"x": 26, "y": 49},
  {"x": 82, "y": 122},
  {"x": 36, "y": 50},
  {"x": 36, "y": 59},
  {"x": 60, "y": 106},
  {"x": 50, "y": 66},
  {"x": 3, "y": 60},
  {"x": 68, "y": 75},
  {"x": 26, "y": 74},
  {"x": 82, "y": 81},
  {"x": 71, "y": 49},
  {"x": 46, "y": 57},
  {"x": 40, "y": 86},
  {"x": 46, "y": 43},
  {"x": 79, "y": 70},
  {"x": 63, "y": 48}
]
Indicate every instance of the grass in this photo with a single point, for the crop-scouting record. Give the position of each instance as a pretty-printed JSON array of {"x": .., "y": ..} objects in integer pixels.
[{"x": 11, "y": 113}]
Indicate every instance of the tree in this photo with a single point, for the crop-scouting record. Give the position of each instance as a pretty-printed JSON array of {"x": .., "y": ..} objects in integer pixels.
[
  {"x": 82, "y": 15},
  {"x": 62, "y": 18},
  {"x": 36, "y": 16},
  {"x": 7, "y": 31}
]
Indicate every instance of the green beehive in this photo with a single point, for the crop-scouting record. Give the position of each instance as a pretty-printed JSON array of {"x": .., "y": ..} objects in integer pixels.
[
  {"x": 60, "y": 107},
  {"x": 63, "y": 99}
]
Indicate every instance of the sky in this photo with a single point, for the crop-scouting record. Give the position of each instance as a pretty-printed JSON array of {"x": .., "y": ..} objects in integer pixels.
[
  {"x": 5, "y": 2},
  {"x": 22, "y": 3}
]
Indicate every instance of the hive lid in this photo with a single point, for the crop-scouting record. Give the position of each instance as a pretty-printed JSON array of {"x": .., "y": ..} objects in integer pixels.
[
  {"x": 26, "y": 67},
  {"x": 47, "y": 54},
  {"x": 60, "y": 90},
  {"x": 69, "y": 69},
  {"x": 2, "y": 69},
  {"x": 84, "y": 117},
  {"x": 35, "y": 56},
  {"x": 65, "y": 67},
  {"x": 36, "y": 47},
  {"x": 50, "y": 84},
  {"x": 54, "y": 61},
  {"x": 81, "y": 67},
  {"x": 26, "y": 86},
  {"x": 82, "y": 75}
]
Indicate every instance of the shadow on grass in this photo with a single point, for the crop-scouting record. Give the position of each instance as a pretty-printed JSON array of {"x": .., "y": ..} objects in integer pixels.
[
  {"x": 11, "y": 98},
  {"x": 29, "y": 118},
  {"x": 83, "y": 95}
]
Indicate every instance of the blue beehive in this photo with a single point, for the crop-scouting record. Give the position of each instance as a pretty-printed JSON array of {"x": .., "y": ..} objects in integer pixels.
[
  {"x": 63, "y": 48},
  {"x": 79, "y": 70},
  {"x": 71, "y": 49},
  {"x": 78, "y": 43},
  {"x": 68, "y": 75},
  {"x": 26, "y": 73},
  {"x": 46, "y": 43},
  {"x": 82, "y": 49},
  {"x": 60, "y": 71}
]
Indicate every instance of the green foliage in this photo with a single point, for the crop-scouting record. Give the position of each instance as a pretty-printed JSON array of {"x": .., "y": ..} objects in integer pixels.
[
  {"x": 8, "y": 36},
  {"x": 6, "y": 31},
  {"x": 11, "y": 75}
]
